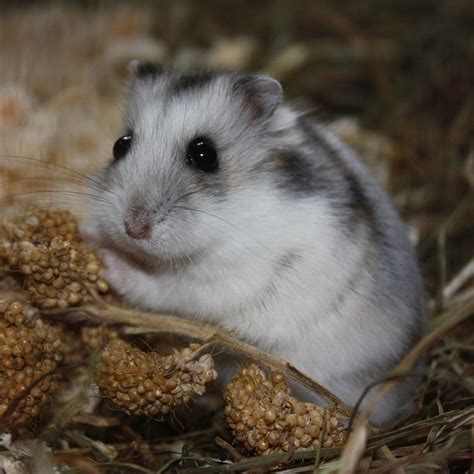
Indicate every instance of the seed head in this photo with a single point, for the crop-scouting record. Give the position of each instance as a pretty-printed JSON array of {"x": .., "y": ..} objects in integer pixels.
[
  {"x": 30, "y": 351},
  {"x": 266, "y": 418},
  {"x": 146, "y": 383},
  {"x": 44, "y": 248}
]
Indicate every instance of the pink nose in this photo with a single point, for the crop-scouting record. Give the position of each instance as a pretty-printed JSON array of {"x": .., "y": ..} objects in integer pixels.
[{"x": 138, "y": 227}]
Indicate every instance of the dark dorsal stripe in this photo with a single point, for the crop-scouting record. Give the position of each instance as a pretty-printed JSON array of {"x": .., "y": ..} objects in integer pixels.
[
  {"x": 147, "y": 69},
  {"x": 298, "y": 174},
  {"x": 356, "y": 198},
  {"x": 190, "y": 81}
]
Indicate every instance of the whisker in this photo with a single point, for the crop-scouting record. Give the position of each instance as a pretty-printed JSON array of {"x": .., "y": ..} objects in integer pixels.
[
  {"x": 53, "y": 167},
  {"x": 215, "y": 216},
  {"x": 49, "y": 197},
  {"x": 208, "y": 214},
  {"x": 49, "y": 165},
  {"x": 56, "y": 191},
  {"x": 54, "y": 179},
  {"x": 184, "y": 196}
]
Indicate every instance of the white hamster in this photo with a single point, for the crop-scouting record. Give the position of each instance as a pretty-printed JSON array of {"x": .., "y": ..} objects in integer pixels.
[{"x": 223, "y": 203}]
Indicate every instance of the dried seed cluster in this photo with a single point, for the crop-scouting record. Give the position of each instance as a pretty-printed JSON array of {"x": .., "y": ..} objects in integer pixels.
[
  {"x": 146, "y": 383},
  {"x": 265, "y": 418},
  {"x": 96, "y": 337},
  {"x": 80, "y": 341},
  {"x": 30, "y": 351},
  {"x": 44, "y": 246}
]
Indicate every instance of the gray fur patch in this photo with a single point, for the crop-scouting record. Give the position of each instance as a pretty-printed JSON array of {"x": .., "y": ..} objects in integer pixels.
[
  {"x": 351, "y": 191},
  {"x": 146, "y": 70},
  {"x": 190, "y": 81},
  {"x": 286, "y": 262},
  {"x": 282, "y": 265},
  {"x": 214, "y": 184},
  {"x": 297, "y": 173}
]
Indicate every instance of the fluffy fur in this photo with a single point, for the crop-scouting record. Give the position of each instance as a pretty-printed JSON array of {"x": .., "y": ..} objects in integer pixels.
[{"x": 290, "y": 243}]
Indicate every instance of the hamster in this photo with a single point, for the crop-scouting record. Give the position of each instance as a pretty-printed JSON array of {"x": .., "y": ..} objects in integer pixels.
[{"x": 223, "y": 203}]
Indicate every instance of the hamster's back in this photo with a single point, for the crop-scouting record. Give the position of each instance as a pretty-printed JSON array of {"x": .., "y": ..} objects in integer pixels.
[{"x": 381, "y": 314}]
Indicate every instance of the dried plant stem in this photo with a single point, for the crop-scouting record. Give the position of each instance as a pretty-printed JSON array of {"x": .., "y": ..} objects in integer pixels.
[
  {"x": 229, "y": 448},
  {"x": 142, "y": 322},
  {"x": 459, "y": 280}
]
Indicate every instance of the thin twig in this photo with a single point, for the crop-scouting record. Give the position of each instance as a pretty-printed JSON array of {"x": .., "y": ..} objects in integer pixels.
[
  {"x": 229, "y": 448},
  {"x": 143, "y": 322},
  {"x": 459, "y": 280}
]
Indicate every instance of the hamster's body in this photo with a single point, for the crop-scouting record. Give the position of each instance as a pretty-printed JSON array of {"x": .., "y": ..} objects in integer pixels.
[{"x": 288, "y": 241}]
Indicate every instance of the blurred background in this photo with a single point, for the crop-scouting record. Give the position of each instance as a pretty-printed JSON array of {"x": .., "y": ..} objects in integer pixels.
[{"x": 395, "y": 79}]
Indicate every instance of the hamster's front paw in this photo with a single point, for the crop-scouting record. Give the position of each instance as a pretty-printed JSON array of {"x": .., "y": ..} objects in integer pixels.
[
  {"x": 89, "y": 231},
  {"x": 118, "y": 272},
  {"x": 130, "y": 280}
]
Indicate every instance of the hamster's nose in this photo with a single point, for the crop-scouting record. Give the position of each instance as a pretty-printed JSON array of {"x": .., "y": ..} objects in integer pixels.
[{"x": 138, "y": 226}]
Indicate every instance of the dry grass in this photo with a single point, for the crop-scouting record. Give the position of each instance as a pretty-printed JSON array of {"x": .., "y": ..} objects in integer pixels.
[{"x": 403, "y": 75}]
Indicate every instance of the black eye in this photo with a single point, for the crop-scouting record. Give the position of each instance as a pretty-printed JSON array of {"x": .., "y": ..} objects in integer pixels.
[
  {"x": 121, "y": 146},
  {"x": 202, "y": 154}
]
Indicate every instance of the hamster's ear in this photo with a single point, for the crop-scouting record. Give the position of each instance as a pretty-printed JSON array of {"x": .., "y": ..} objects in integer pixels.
[
  {"x": 260, "y": 95},
  {"x": 139, "y": 70}
]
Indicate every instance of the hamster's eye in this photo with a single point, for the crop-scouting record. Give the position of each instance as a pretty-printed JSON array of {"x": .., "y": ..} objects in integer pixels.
[
  {"x": 121, "y": 146},
  {"x": 202, "y": 155}
]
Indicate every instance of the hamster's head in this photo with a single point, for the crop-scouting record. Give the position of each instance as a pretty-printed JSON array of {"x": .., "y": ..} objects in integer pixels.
[{"x": 185, "y": 172}]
